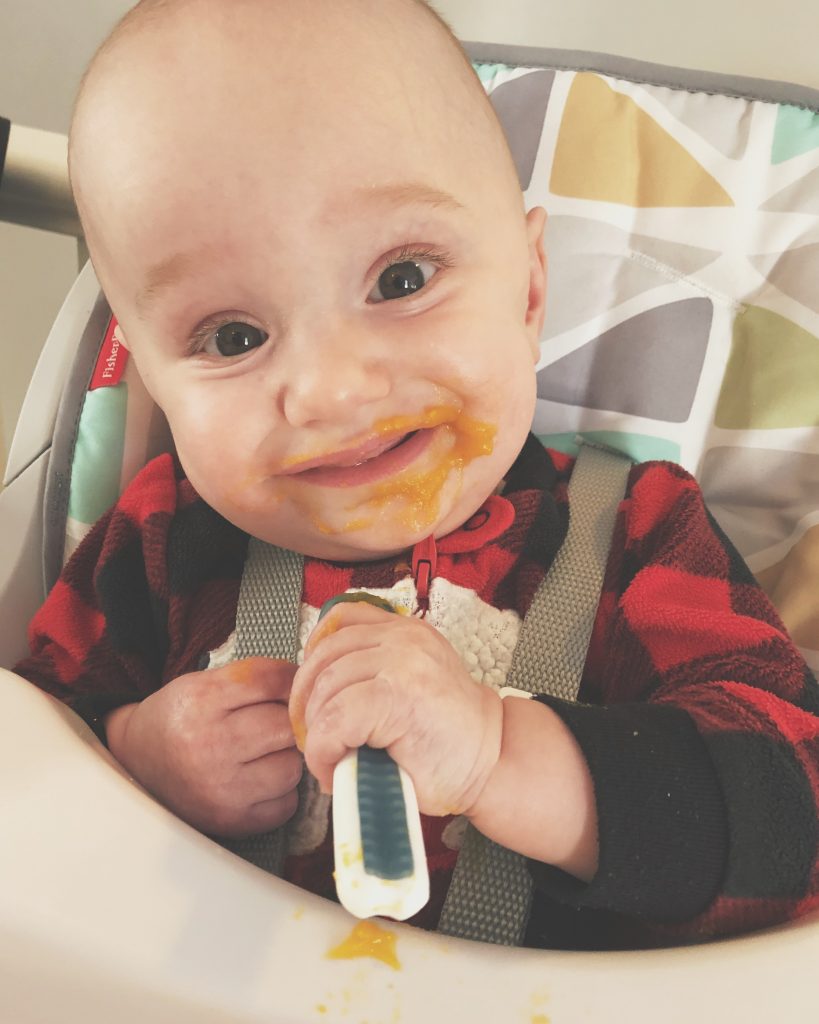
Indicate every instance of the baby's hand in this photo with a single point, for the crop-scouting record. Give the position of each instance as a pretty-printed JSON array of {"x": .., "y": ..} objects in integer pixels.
[
  {"x": 216, "y": 747},
  {"x": 393, "y": 681}
]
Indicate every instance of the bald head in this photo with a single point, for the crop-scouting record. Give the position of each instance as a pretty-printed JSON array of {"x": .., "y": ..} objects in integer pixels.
[
  {"x": 199, "y": 121},
  {"x": 167, "y": 49}
]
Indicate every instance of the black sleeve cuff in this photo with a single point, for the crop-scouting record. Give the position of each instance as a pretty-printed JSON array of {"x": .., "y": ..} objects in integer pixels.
[
  {"x": 662, "y": 824},
  {"x": 93, "y": 708}
]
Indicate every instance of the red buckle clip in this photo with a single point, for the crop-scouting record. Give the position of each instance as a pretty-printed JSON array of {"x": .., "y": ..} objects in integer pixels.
[{"x": 424, "y": 564}]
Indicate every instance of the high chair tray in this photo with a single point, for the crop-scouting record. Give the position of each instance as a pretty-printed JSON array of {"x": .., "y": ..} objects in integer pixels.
[{"x": 113, "y": 910}]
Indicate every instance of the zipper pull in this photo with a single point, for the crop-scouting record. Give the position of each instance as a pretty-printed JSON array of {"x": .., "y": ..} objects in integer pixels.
[{"x": 424, "y": 564}]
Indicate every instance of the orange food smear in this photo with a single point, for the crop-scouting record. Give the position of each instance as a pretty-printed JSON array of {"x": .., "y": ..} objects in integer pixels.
[
  {"x": 325, "y": 628},
  {"x": 297, "y": 724},
  {"x": 390, "y": 425},
  {"x": 368, "y": 939},
  {"x": 465, "y": 438},
  {"x": 241, "y": 671},
  {"x": 299, "y": 730},
  {"x": 420, "y": 490}
]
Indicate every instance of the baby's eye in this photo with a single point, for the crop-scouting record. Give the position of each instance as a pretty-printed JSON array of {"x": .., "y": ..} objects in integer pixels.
[
  {"x": 401, "y": 279},
  {"x": 234, "y": 338}
]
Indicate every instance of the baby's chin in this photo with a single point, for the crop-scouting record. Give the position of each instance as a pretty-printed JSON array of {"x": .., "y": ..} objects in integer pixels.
[
  {"x": 353, "y": 526},
  {"x": 370, "y": 541},
  {"x": 350, "y": 553},
  {"x": 363, "y": 544}
]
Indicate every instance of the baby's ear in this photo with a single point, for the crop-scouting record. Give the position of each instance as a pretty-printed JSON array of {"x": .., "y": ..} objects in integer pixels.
[{"x": 536, "y": 307}]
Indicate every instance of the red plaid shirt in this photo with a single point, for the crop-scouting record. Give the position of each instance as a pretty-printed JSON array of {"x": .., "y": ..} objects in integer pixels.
[{"x": 697, "y": 716}]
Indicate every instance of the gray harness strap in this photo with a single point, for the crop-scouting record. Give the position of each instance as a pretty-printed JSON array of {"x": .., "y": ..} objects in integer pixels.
[
  {"x": 267, "y": 625},
  {"x": 490, "y": 894}
]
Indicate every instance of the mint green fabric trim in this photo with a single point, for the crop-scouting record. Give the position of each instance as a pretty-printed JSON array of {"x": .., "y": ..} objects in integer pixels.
[
  {"x": 97, "y": 465},
  {"x": 797, "y": 132},
  {"x": 638, "y": 447},
  {"x": 486, "y": 72}
]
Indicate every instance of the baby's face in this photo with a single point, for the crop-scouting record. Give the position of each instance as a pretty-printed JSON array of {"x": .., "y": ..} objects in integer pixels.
[{"x": 338, "y": 314}]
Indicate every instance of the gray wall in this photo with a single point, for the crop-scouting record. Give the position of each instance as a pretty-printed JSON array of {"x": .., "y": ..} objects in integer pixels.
[{"x": 44, "y": 46}]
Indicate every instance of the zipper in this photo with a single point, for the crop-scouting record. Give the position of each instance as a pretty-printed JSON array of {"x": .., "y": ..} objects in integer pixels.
[{"x": 424, "y": 564}]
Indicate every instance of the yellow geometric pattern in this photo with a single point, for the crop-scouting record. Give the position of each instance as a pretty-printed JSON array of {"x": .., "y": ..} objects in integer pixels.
[{"x": 611, "y": 151}]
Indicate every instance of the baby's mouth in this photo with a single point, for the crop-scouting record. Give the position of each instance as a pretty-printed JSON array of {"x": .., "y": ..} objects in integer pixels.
[
  {"x": 367, "y": 463},
  {"x": 353, "y": 455},
  {"x": 359, "y": 459}
]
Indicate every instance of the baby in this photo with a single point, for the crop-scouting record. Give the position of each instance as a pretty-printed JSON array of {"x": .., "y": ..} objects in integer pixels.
[{"x": 309, "y": 226}]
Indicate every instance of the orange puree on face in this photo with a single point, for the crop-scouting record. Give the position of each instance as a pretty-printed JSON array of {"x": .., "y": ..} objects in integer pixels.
[
  {"x": 368, "y": 939},
  {"x": 420, "y": 491},
  {"x": 390, "y": 425}
]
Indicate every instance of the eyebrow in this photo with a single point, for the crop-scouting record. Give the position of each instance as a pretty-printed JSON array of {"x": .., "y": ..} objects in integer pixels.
[
  {"x": 162, "y": 275},
  {"x": 412, "y": 193}
]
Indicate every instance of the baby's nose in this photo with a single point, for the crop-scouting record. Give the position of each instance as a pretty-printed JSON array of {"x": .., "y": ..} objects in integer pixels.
[{"x": 333, "y": 386}]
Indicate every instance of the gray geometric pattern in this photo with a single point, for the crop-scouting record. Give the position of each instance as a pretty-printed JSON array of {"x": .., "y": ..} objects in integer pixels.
[
  {"x": 648, "y": 366},
  {"x": 521, "y": 108}
]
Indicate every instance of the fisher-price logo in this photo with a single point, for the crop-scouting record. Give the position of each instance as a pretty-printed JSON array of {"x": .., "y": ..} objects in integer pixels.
[{"x": 111, "y": 360}]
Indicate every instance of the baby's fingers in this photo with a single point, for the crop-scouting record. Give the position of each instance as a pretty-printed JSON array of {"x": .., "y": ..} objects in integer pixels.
[
  {"x": 246, "y": 682},
  {"x": 344, "y": 615},
  {"x": 330, "y": 648},
  {"x": 230, "y": 805},
  {"x": 349, "y": 670},
  {"x": 330, "y": 651},
  {"x": 359, "y": 714},
  {"x": 258, "y": 729},
  {"x": 261, "y": 816}
]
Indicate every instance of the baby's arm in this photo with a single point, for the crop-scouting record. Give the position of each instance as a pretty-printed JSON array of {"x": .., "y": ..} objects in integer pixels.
[
  {"x": 700, "y": 724},
  {"x": 539, "y": 799},
  {"x": 511, "y": 766}
]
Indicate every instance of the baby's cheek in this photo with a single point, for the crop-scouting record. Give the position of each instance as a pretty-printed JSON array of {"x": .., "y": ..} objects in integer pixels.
[{"x": 238, "y": 486}]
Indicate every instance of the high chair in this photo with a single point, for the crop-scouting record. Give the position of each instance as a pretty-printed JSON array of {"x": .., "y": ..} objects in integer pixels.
[{"x": 696, "y": 340}]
